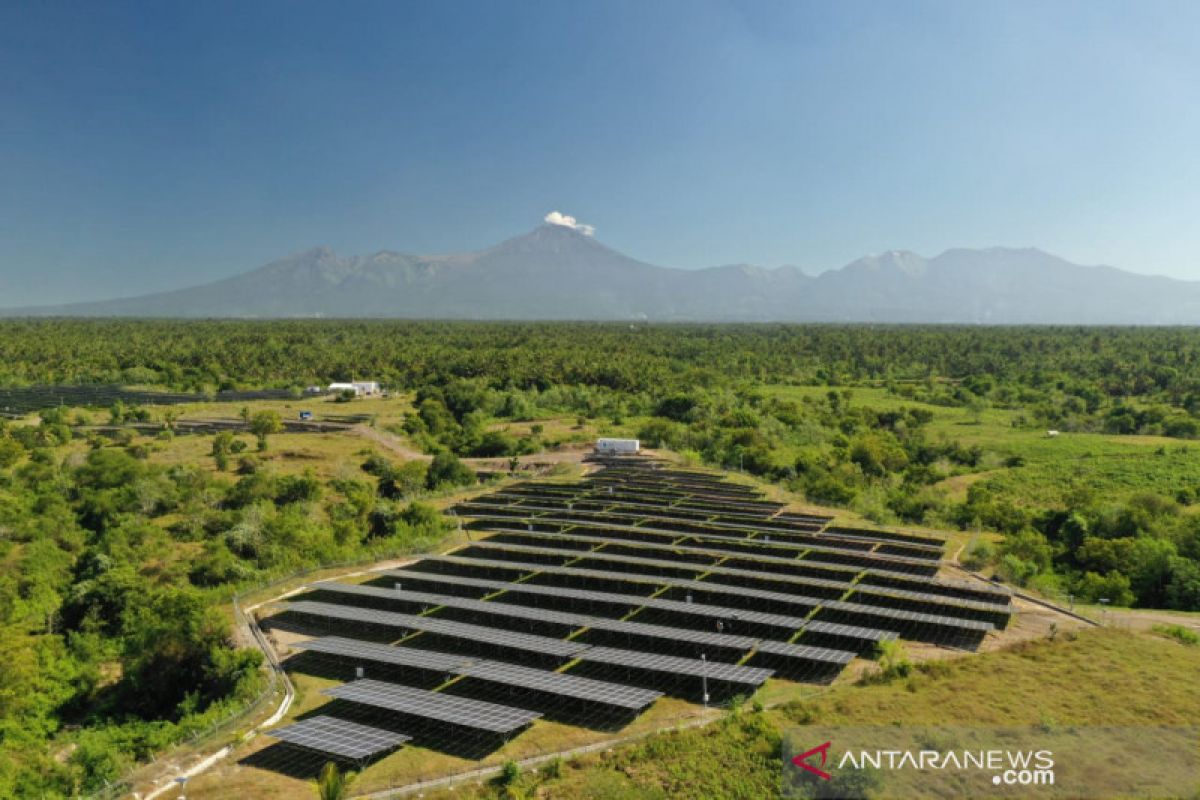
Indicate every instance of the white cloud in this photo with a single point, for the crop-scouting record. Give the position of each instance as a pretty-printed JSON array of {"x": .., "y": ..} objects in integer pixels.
[{"x": 567, "y": 221}]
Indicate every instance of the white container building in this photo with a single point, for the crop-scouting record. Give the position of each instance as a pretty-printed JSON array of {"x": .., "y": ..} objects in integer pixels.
[{"x": 618, "y": 446}]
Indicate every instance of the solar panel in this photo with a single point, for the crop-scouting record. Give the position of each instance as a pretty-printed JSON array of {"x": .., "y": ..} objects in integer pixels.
[
  {"x": 385, "y": 653},
  {"x": 657, "y": 580},
  {"x": 339, "y": 737},
  {"x": 806, "y": 652},
  {"x": 613, "y": 694},
  {"x": 851, "y": 631},
  {"x": 785, "y": 541},
  {"x": 549, "y": 548},
  {"x": 858, "y": 555},
  {"x": 938, "y": 599},
  {"x": 631, "y": 600},
  {"x": 447, "y": 708},
  {"x": 557, "y": 683},
  {"x": 859, "y": 609},
  {"x": 867, "y": 635},
  {"x": 478, "y": 633},
  {"x": 590, "y": 501},
  {"x": 705, "y": 521},
  {"x": 914, "y": 617},
  {"x": 564, "y": 618},
  {"x": 654, "y": 662}
]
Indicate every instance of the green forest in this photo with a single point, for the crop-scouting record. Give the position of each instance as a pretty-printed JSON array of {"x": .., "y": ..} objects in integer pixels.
[{"x": 118, "y": 568}]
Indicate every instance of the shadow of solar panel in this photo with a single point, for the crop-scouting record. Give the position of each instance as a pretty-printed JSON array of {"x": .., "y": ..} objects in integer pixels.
[
  {"x": 460, "y": 711},
  {"x": 339, "y": 737}
]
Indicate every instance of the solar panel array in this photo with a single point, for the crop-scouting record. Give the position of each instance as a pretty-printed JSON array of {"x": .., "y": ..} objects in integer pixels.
[
  {"x": 558, "y": 683},
  {"x": 340, "y": 737},
  {"x": 866, "y": 636},
  {"x": 608, "y": 592},
  {"x": 515, "y": 675},
  {"x": 758, "y": 579},
  {"x": 439, "y": 706},
  {"x": 476, "y": 633},
  {"x": 674, "y": 665}
]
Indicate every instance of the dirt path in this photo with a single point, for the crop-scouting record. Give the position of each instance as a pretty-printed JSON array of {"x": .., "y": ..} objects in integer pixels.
[
  {"x": 1138, "y": 620},
  {"x": 391, "y": 442}
]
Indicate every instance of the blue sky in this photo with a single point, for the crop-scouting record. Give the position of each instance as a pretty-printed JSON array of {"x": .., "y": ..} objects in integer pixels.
[{"x": 161, "y": 144}]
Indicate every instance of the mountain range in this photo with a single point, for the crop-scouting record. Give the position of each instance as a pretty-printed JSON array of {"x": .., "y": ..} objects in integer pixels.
[{"x": 556, "y": 272}]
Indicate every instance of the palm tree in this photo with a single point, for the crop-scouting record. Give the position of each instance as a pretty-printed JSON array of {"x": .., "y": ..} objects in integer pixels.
[{"x": 333, "y": 784}]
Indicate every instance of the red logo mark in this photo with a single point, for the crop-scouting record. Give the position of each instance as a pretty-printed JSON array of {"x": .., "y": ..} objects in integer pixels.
[{"x": 801, "y": 762}]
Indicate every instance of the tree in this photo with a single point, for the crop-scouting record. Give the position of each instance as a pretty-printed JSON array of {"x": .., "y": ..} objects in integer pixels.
[
  {"x": 333, "y": 784},
  {"x": 446, "y": 470},
  {"x": 263, "y": 424},
  {"x": 10, "y": 452},
  {"x": 221, "y": 447},
  {"x": 1183, "y": 591}
]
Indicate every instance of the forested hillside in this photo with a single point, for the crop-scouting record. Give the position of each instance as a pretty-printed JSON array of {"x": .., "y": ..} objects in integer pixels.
[{"x": 115, "y": 580}]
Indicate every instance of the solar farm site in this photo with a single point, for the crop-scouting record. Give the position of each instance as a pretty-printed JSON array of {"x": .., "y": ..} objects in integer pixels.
[{"x": 586, "y": 603}]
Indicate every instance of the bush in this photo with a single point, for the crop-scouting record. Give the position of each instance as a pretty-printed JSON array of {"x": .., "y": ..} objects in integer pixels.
[
  {"x": 1179, "y": 633},
  {"x": 1114, "y": 587},
  {"x": 893, "y": 660},
  {"x": 510, "y": 773},
  {"x": 447, "y": 471},
  {"x": 978, "y": 554}
]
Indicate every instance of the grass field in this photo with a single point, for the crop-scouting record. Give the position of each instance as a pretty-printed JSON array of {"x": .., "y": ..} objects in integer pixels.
[
  {"x": 1053, "y": 468},
  {"x": 1103, "y": 677}
]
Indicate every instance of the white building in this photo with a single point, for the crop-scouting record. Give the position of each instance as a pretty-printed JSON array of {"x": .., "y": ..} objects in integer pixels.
[
  {"x": 622, "y": 446},
  {"x": 360, "y": 388}
]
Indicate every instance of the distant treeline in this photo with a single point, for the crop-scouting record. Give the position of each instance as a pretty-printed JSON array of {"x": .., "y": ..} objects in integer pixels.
[{"x": 223, "y": 355}]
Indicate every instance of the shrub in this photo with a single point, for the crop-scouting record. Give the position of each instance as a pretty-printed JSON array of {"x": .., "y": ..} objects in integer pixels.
[
  {"x": 979, "y": 554},
  {"x": 333, "y": 784},
  {"x": 1179, "y": 633},
  {"x": 447, "y": 471},
  {"x": 893, "y": 660},
  {"x": 509, "y": 773}
]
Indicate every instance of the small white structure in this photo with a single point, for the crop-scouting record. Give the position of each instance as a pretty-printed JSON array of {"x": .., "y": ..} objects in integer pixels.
[
  {"x": 619, "y": 446},
  {"x": 360, "y": 388},
  {"x": 1051, "y": 434}
]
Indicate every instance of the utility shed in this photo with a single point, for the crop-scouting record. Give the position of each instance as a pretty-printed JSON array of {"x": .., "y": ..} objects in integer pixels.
[
  {"x": 360, "y": 388},
  {"x": 617, "y": 445}
]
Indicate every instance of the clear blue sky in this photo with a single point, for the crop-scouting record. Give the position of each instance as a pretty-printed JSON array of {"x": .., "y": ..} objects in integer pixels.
[{"x": 161, "y": 144}]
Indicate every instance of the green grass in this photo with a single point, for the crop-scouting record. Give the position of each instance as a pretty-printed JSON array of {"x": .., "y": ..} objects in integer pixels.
[
  {"x": 1054, "y": 468},
  {"x": 1179, "y": 633},
  {"x": 1103, "y": 677}
]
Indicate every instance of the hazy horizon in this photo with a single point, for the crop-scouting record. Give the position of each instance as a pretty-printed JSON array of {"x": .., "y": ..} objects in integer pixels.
[{"x": 149, "y": 147}]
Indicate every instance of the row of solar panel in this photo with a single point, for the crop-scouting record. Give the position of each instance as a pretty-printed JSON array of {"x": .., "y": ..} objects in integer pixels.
[
  {"x": 949, "y": 605},
  {"x": 673, "y": 541},
  {"x": 847, "y": 559},
  {"x": 699, "y": 524},
  {"x": 729, "y": 621},
  {"x": 794, "y": 573}
]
